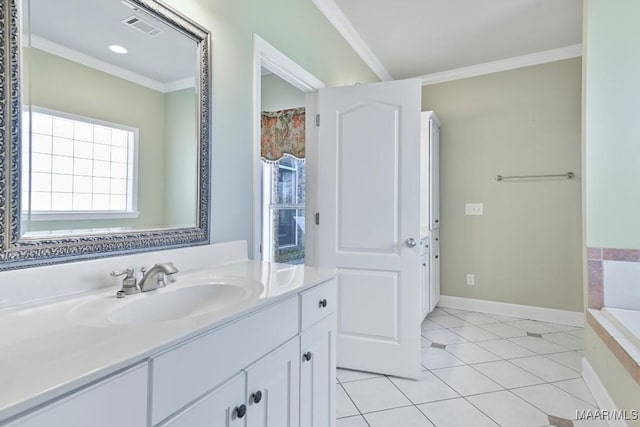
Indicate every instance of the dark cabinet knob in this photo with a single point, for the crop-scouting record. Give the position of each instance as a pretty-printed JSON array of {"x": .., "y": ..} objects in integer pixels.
[
  {"x": 256, "y": 397},
  {"x": 241, "y": 411},
  {"x": 307, "y": 356},
  {"x": 323, "y": 303},
  {"x": 437, "y": 220},
  {"x": 436, "y": 256}
]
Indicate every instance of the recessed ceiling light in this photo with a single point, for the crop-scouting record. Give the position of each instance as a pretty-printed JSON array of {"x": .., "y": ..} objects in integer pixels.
[{"x": 117, "y": 49}]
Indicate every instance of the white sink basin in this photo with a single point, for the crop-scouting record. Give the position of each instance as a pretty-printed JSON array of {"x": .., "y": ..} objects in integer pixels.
[{"x": 179, "y": 300}]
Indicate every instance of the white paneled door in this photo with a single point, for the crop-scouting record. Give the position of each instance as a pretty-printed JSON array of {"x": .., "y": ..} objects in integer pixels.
[{"x": 369, "y": 222}]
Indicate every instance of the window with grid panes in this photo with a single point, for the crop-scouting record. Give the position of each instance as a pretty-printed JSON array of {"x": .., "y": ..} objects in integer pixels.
[{"x": 74, "y": 165}]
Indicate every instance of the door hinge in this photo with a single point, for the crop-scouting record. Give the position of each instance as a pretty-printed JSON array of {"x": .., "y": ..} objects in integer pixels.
[
  {"x": 317, "y": 119},
  {"x": 317, "y": 218}
]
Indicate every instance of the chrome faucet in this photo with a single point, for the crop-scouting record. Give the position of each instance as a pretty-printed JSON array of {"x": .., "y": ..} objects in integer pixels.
[{"x": 161, "y": 272}]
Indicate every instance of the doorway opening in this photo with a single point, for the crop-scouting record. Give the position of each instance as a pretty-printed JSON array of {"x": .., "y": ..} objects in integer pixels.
[
  {"x": 282, "y": 143},
  {"x": 284, "y": 182}
]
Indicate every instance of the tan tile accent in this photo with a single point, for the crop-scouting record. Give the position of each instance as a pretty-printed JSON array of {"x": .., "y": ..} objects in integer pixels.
[
  {"x": 594, "y": 253},
  {"x": 559, "y": 422},
  {"x": 596, "y": 290},
  {"x": 629, "y": 255},
  {"x": 621, "y": 354}
]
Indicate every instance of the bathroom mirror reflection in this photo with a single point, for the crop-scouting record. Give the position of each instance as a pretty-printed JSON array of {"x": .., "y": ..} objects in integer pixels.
[
  {"x": 105, "y": 117},
  {"x": 109, "y": 119}
]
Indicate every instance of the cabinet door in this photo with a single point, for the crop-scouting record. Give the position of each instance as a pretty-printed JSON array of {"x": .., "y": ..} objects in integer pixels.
[
  {"x": 434, "y": 269},
  {"x": 273, "y": 388},
  {"x": 426, "y": 289},
  {"x": 120, "y": 400},
  {"x": 434, "y": 171},
  {"x": 220, "y": 408},
  {"x": 317, "y": 375}
]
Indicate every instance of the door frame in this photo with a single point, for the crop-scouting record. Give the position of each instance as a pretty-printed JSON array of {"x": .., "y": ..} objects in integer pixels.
[{"x": 267, "y": 56}]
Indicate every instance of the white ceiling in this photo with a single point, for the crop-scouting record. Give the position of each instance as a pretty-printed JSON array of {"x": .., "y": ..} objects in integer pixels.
[
  {"x": 88, "y": 27},
  {"x": 414, "y": 38}
]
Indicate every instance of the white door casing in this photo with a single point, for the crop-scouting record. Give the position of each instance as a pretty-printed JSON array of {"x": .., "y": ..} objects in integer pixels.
[{"x": 368, "y": 198}]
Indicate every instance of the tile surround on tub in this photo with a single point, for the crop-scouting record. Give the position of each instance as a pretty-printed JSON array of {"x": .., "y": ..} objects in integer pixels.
[
  {"x": 614, "y": 278},
  {"x": 35, "y": 284},
  {"x": 596, "y": 290},
  {"x": 622, "y": 287}
]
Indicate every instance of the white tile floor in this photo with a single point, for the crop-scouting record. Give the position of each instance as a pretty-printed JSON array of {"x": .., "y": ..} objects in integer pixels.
[{"x": 493, "y": 371}]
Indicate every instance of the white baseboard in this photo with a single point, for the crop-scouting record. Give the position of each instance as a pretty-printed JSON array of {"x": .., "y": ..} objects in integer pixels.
[
  {"x": 599, "y": 392},
  {"x": 551, "y": 315}
]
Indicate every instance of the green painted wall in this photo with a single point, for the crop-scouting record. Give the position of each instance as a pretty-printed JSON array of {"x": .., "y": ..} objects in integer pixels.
[
  {"x": 181, "y": 158},
  {"x": 611, "y": 146},
  {"x": 527, "y": 247},
  {"x": 612, "y": 126},
  {"x": 67, "y": 86},
  {"x": 276, "y": 94},
  {"x": 299, "y": 30}
]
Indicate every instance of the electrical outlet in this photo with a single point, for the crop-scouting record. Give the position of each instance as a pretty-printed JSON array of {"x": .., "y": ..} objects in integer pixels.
[
  {"x": 471, "y": 279},
  {"x": 473, "y": 209}
]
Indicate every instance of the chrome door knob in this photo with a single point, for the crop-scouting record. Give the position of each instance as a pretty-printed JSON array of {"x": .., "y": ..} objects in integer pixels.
[{"x": 410, "y": 242}]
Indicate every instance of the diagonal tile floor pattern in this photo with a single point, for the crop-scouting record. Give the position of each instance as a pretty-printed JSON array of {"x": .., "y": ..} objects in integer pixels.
[{"x": 479, "y": 370}]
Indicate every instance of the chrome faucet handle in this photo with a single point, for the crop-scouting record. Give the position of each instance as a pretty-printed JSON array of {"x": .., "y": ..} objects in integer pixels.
[
  {"x": 129, "y": 283},
  {"x": 129, "y": 272}
]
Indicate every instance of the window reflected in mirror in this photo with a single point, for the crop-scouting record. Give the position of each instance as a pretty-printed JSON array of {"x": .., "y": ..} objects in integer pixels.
[{"x": 110, "y": 119}]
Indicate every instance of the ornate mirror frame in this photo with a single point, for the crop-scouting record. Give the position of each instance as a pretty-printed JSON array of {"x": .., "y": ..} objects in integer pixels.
[{"x": 18, "y": 252}]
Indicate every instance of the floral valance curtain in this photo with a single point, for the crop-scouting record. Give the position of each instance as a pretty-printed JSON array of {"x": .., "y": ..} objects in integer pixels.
[{"x": 282, "y": 133}]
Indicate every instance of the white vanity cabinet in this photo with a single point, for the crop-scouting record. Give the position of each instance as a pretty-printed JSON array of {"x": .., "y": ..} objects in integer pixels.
[
  {"x": 273, "y": 367},
  {"x": 120, "y": 400},
  {"x": 317, "y": 374},
  {"x": 291, "y": 385}
]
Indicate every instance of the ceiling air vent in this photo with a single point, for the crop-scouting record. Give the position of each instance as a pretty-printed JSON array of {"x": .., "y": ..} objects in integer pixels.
[{"x": 142, "y": 25}]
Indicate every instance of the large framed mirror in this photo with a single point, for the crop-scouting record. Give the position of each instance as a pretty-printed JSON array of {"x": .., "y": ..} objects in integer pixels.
[{"x": 104, "y": 130}]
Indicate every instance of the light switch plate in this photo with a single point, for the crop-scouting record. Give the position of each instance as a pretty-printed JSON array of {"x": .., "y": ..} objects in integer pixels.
[{"x": 473, "y": 209}]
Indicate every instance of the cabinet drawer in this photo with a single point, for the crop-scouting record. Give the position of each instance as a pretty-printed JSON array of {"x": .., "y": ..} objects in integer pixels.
[
  {"x": 184, "y": 373},
  {"x": 120, "y": 401},
  {"x": 313, "y": 303}
]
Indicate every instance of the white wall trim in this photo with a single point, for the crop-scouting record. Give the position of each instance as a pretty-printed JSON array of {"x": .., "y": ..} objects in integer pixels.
[
  {"x": 599, "y": 392},
  {"x": 341, "y": 23},
  {"x": 267, "y": 56},
  {"x": 567, "y": 52},
  {"x": 551, "y": 315},
  {"x": 185, "y": 83},
  {"x": 106, "y": 67}
]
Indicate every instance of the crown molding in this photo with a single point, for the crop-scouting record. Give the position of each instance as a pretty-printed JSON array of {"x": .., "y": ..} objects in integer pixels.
[
  {"x": 180, "y": 84},
  {"x": 567, "y": 52},
  {"x": 341, "y": 23},
  {"x": 106, "y": 67}
]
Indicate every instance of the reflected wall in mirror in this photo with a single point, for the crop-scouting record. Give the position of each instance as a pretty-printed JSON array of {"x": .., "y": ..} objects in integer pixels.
[{"x": 107, "y": 107}]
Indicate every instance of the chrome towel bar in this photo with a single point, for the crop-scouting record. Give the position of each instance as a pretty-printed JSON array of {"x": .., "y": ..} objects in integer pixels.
[{"x": 567, "y": 175}]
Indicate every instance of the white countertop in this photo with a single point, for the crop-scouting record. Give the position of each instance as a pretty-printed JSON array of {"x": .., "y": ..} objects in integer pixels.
[{"x": 45, "y": 353}]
